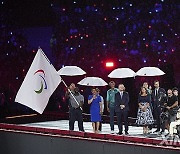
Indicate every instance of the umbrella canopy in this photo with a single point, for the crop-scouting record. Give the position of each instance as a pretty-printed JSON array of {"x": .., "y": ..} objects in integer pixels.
[
  {"x": 92, "y": 81},
  {"x": 122, "y": 73},
  {"x": 71, "y": 71},
  {"x": 150, "y": 71}
]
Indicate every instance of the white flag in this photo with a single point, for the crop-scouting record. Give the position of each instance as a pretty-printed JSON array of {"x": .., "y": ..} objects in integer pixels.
[{"x": 40, "y": 82}]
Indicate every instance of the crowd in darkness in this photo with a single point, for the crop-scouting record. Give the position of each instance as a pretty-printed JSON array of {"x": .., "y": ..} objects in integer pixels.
[
  {"x": 133, "y": 34},
  {"x": 90, "y": 32}
]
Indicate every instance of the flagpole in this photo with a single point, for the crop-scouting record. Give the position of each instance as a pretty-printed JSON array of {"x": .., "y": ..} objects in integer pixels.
[{"x": 70, "y": 92}]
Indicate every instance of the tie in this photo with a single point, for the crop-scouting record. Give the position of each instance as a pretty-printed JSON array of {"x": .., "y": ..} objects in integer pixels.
[
  {"x": 156, "y": 92},
  {"x": 121, "y": 95}
]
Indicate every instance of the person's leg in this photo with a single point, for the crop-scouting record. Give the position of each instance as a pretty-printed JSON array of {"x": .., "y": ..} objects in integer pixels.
[
  {"x": 100, "y": 126},
  {"x": 125, "y": 116},
  {"x": 97, "y": 127},
  {"x": 72, "y": 119},
  {"x": 119, "y": 121},
  {"x": 112, "y": 118},
  {"x": 80, "y": 119},
  {"x": 94, "y": 126},
  {"x": 157, "y": 113}
]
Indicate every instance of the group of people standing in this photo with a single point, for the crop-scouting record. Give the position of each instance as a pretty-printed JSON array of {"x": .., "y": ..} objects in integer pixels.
[{"x": 152, "y": 105}]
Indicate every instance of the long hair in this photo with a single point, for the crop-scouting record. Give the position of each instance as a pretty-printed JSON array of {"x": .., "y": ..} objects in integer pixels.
[{"x": 140, "y": 93}]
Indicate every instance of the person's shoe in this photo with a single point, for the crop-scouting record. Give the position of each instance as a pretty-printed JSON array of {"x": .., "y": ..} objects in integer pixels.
[
  {"x": 112, "y": 132},
  {"x": 126, "y": 133},
  {"x": 119, "y": 133}
]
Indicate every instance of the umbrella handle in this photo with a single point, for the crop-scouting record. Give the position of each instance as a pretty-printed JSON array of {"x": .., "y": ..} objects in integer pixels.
[{"x": 70, "y": 93}]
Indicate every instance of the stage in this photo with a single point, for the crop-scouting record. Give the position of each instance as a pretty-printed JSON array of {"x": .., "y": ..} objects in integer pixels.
[
  {"x": 53, "y": 137},
  {"x": 64, "y": 125}
]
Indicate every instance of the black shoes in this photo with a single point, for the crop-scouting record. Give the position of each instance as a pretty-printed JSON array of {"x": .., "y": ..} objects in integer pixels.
[
  {"x": 126, "y": 133},
  {"x": 119, "y": 133}
]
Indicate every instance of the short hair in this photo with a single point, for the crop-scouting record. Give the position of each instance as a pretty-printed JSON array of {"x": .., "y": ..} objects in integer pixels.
[
  {"x": 175, "y": 88},
  {"x": 156, "y": 81},
  {"x": 111, "y": 82}
]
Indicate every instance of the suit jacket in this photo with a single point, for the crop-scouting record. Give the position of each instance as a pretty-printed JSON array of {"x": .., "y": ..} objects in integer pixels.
[
  {"x": 158, "y": 100},
  {"x": 121, "y": 101}
]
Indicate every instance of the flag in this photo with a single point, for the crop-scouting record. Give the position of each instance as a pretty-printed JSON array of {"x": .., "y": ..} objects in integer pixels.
[{"x": 40, "y": 82}]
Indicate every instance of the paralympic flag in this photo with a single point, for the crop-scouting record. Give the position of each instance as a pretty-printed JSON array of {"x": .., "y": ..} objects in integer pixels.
[{"x": 40, "y": 82}]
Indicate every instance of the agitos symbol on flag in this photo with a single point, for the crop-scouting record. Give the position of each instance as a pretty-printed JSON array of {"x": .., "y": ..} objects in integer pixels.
[{"x": 40, "y": 82}]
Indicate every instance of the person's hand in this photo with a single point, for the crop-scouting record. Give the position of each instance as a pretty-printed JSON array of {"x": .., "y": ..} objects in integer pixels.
[
  {"x": 108, "y": 109},
  {"x": 122, "y": 106},
  {"x": 168, "y": 108},
  {"x": 94, "y": 96}
]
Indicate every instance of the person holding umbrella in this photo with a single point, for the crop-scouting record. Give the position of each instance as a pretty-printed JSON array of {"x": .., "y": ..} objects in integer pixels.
[{"x": 95, "y": 109}]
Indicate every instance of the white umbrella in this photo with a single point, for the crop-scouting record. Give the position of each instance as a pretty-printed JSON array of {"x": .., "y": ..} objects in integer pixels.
[
  {"x": 150, "y": 71},
  {"x": 71, "y": 71},
  {"x": 122, "y": 73},
  {"x": 92, "y": 81}
]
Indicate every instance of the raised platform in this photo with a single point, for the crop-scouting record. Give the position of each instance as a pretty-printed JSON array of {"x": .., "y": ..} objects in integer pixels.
[{"x": 59, "y": 129}]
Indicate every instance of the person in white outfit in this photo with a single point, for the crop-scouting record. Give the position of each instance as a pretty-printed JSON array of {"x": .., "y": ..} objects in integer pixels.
[{"x": 173, "y": 125}]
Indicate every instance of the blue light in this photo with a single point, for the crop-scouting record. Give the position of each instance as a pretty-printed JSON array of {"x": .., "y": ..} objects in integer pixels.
[
  {"x": 96, "y": 10},
  {"x": 104, "y": 44},
  {"x": 74, "y": 2},
  {"x": 81, "y": 37},
  {"x": 144, "y": 60},
  {"x": 159, "y": 41},
  {"x": 122, "y": 8},
  {"x": 124, "y": 34},
  {"x": 113, "y": 8},
  {"x": 2, "y": 3},
  {"x": 175, "y": 34},
  {"x": 144, "y": 39},
  {"x": 71, "y": 48},
  {"x": 150, "y": 12},
  {"x": 11, "y": 33},
  {"x": 82, "y": 20},
  {"x": 130, "y": 4},
  {"x": 129, "y": 32},
  {"x": 79, "y": 46},
  {"x": 162, "y": 34},
  {"x": 117, "y": 18}
]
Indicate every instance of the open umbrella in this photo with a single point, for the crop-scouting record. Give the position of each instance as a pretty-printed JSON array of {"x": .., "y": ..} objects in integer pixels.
[
  {"x": 92, "y": 81},
  {"x": 122, "y": 73},
  {"x": 150, "y": 71},
  {"x": 71, "y": 71}
]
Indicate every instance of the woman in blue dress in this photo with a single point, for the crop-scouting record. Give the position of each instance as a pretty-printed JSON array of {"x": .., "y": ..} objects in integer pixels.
[
  {"x": 144, "y": 115},
  {"x": 95, "y": 109}
]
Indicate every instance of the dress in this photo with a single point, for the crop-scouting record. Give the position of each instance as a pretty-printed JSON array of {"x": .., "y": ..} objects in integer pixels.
[
  {"x": 95, "y": 109},
  {"x": 144, "y": 117}
]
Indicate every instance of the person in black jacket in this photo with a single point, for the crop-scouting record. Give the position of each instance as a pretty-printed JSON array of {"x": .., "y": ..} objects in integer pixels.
[
  {"x": 122, "y": 108},
  {"x": 158, "y": 99}
]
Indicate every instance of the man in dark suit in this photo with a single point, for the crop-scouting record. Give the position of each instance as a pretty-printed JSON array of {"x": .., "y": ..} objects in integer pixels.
[
  {"x": 122, "y": 108},
  {"x": 158, "y": 99}
]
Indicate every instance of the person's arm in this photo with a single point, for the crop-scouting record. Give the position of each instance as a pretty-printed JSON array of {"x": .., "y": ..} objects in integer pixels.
[
  {"x": 81, "y": 101},
  {"x": 90, "y": 100},
  {"x": 107, "y": 101},
  {"x": 172, "y": 106},
  {"x": 101, "y": 109}
]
